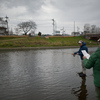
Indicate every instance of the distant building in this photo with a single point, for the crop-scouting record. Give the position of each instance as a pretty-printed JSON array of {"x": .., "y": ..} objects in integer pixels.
[
  {"x": 57, "y": 33},
  {"x": 75, "y": 34},
  {"x": 3, "y": 31},
  {"x": 3, "y": 26}
]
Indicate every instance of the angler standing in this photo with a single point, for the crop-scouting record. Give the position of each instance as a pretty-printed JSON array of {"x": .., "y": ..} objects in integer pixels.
[{"x": 82, "y": 47}]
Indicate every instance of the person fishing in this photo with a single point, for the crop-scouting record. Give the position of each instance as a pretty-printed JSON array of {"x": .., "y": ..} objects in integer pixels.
[
  {"x": 94, "y": 62},
  {"x": 79, "y": 52}
]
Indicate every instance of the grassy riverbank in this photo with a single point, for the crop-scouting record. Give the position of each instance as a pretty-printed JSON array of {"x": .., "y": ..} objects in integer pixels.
[{"x": 25, "y": 41}]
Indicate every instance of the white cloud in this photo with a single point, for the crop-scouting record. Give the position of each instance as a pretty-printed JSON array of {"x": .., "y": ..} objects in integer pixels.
[
  {"x": 15, "y": 11},
  {"x": 65, "y": 12}
]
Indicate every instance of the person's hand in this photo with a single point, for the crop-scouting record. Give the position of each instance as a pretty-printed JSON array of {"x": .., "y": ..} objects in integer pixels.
[
  {"x": 84, "y": 57},
  {"x": 77, "y": 53},
  {"x": 72, "y": 53}
]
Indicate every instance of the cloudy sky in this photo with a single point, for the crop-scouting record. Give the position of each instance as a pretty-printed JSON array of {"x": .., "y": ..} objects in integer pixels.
[{"x": 64, "y": 12}]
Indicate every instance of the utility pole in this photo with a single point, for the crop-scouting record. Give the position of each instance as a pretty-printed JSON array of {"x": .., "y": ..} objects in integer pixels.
[
  {"x": 74, "y": 26},
  {"x": 53, "y": 26},
  {"x": 7, "y": 24},
  {"x": 63, "y": 30}
]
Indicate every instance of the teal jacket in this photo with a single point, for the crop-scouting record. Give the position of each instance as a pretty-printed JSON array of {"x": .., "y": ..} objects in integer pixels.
[{"x": 94, "y": 61}]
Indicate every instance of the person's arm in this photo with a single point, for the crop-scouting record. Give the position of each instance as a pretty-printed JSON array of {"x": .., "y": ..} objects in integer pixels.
[
  {"x": 80, "y": 53},
  {"x": 84, "y": 48},
  {"x": 77, "y": 52},
  {"x": 89, "y": 63}
]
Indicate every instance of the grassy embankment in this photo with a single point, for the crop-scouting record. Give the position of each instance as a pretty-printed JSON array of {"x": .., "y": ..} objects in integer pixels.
[{"x": 25, "y": 41}]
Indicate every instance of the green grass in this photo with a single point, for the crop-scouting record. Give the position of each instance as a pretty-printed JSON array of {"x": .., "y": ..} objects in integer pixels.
[{"x": 11, "y": 41}]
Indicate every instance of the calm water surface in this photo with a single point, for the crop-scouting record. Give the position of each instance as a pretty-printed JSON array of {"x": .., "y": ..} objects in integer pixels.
[{"x": 49, "y": 74}]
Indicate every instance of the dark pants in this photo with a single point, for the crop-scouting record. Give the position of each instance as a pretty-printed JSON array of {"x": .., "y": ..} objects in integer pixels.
[{"x": 97, "y": 90}]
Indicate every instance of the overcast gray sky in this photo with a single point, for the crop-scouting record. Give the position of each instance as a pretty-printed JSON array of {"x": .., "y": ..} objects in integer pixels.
[{"x": 64, "y": 12}]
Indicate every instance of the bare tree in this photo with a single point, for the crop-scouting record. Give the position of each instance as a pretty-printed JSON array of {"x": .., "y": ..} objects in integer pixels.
[
  {"x": 27, "y": 26},
  {"x": 17, "y": 30}
]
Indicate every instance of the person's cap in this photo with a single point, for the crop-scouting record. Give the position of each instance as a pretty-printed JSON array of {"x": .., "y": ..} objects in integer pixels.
[
  {"x": 80, "y": 41},
  {"x": 98, "y": 40}
]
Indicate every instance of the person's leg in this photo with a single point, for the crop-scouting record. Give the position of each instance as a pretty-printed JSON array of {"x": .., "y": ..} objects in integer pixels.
[
  {"x": 97, "y": 91},
  {"x": 83, "y": 68},
  {"x": 83, "y": 73}
]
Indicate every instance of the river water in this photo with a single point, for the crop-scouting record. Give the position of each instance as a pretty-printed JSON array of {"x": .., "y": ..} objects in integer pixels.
[{"x": 49, "y": 74}]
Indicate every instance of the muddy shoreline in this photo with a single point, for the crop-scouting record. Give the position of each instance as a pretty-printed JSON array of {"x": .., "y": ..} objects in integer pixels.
[{"x": 35, "y": 48}]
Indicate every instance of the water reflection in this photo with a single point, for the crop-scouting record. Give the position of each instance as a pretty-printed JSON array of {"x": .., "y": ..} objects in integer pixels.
[
  {"x": 81, "y": 92},
  {"x": 42, "y": 75}
]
